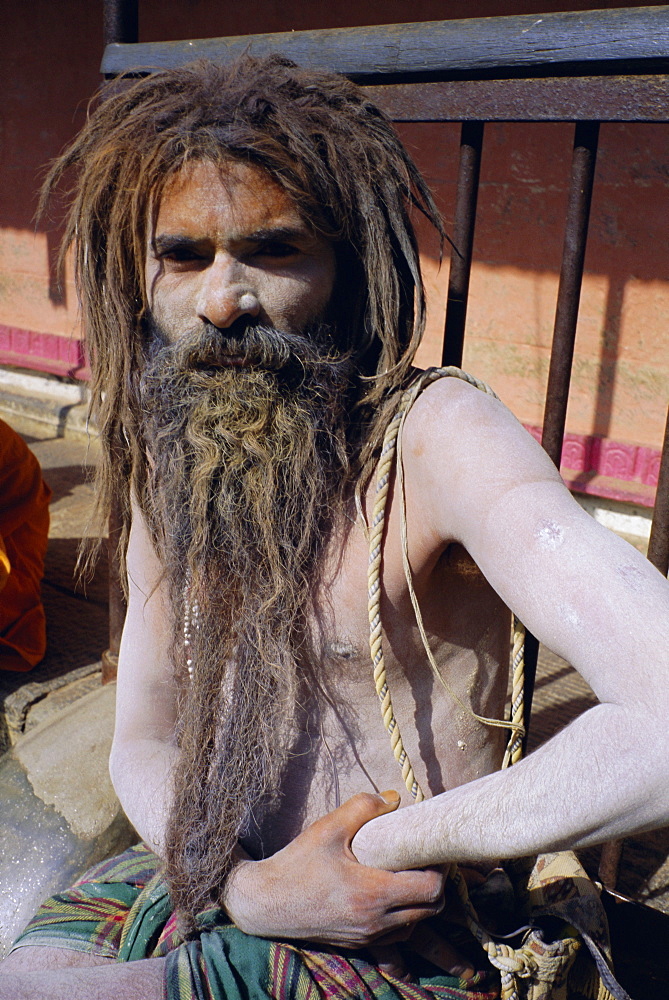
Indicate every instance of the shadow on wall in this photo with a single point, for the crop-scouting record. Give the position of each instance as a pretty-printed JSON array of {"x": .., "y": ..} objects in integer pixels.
[
  {"x": 622, "y": 349},
  {"x": 51, "y": 69},
  {"x": 51, "y": 61}
]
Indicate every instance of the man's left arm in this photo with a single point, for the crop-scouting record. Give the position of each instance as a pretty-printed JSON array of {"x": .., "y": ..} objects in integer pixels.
[{"x": 589, "y": 596}]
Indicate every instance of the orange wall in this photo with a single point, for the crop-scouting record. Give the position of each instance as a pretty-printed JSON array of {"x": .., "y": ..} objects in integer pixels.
[
  {"x": 620, "y": 381},
  {"x": 621, "y": 374},
  {"x": 50, "y": 69}
]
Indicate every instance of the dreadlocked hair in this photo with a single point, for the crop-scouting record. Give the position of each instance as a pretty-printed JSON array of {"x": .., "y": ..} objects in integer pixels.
[{"x": 334, "y": 153}]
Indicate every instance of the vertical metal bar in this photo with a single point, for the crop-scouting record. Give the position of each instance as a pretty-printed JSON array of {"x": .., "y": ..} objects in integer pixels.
[
  {"x": 569, "y": 291},
  {"x": 609, "y": 863},
  {"x": 658, "y": 554},
  {"x": 562, "y": 352},
  {"x": 531, "y": 656},
  {"x": 566, "y": 315},
  {"x": 120, "y": 24},
  {"x": 471, "y": 144},
  {"x": 120, "y": 21}
]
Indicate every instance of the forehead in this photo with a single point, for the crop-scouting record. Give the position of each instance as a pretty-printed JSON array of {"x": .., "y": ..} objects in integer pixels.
[{"x": 231, "y": 197}]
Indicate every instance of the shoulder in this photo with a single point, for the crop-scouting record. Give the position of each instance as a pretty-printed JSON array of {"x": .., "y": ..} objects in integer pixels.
[
  {"x": 463, "y": 445},
  {"x": 457, "y": 405},
  {"x": 471, "y": 424}
]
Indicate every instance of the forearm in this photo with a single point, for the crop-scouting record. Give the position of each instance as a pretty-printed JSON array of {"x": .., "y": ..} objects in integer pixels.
[
  {"x": 602, "y": 777},
  {"x": 142, "y": 774},
  {"x": 142, "y": 980}
]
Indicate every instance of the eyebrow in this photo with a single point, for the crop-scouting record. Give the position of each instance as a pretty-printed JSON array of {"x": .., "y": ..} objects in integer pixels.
[
  {"x": 167, "y": 242},
  {"x": 276, "y": 234}
]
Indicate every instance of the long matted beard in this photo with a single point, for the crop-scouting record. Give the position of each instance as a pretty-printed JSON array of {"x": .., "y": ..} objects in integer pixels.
[{"x": 248, "y": 468}]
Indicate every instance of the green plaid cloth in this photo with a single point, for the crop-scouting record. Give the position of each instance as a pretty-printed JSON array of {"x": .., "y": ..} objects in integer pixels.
[{"x": 121, "y": 910}]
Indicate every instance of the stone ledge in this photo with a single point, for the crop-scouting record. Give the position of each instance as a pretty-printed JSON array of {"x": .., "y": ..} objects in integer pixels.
[
  {"x": 59, "y": 810},
  {"x": 45, "y": 402},
  {"x": 23, "y": 707}
]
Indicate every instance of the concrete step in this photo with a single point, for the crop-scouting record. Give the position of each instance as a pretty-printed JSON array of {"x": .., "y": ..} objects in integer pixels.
[
  {"x": 42, "y": 401},
  {"x": 60, "y": 814}
]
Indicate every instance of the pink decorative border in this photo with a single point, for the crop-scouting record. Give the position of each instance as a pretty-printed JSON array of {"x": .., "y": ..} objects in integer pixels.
[
  {"x": 44, "y": 352},
  {"x": 608, "y": 468},
  {"x": 590, "y": 464}
]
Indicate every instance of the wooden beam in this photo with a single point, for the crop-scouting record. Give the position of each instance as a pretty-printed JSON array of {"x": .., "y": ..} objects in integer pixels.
[{"x": 466, "y": 46}]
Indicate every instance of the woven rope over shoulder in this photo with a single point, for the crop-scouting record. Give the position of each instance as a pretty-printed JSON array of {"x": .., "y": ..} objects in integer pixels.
[
  {"x": 534, "y": 970},
  {"x": 391, "y": 450},
  {"x": 510, "y": 962}
]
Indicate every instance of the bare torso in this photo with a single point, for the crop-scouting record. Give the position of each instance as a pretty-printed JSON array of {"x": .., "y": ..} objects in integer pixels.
[
  {"x": 341, "y": 746},
  {"x": 565, "y": 576}
]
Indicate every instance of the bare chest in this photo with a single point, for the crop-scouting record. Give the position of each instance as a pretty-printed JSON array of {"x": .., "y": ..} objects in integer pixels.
[{"x": 340, "y": 743}]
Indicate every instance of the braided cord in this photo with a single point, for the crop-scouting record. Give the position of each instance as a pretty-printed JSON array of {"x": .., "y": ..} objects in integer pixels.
[
  {"x": 376, "y": 530},
  {"x": 511, "y": 962},
  {"x": 392, "y": 444},
  {"x": 514, "y": 750}
]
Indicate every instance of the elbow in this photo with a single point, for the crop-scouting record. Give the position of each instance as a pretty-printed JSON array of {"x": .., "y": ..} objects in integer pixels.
[{"x": 645, "y": 765}]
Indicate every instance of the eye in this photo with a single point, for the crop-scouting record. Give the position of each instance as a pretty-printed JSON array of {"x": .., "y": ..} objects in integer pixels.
[
  {"x": 275, "y": 248},
  {"x": 177, "y": 251},
  {"x": 182, "y": 257},
  {"x": 180, "y": 254}
]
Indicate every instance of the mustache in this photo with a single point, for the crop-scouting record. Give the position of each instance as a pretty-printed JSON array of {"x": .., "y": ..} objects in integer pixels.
[{"x": 245, "y": 347}]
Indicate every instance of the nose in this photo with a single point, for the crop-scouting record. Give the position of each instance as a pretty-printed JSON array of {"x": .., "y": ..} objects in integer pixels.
[{"x": 224, "y": 296}]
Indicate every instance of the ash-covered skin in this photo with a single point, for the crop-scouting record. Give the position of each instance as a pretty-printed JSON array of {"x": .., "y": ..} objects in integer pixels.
[
  {"x": 549, "y": 534},
  {"x": 631, "y": 576}
]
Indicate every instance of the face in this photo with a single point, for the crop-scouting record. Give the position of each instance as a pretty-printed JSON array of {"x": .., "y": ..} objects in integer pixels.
[{"x": 229, "y": 244}]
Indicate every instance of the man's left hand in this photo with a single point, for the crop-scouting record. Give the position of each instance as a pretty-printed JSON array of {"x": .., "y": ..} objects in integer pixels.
[{"x": 314, "y": 889}]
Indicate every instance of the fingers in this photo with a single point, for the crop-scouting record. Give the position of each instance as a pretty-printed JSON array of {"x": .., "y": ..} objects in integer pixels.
[
  {"x": 397, "y": 926},
  {"x": 389, "y": 960},
  {"x": 426, "y": 942},
  {"x": 419, "y": 888},
  {"x": 342, "y": 824},
  {"x": 400, "y": 935},
  {"x": 348, "y": 904},
  {"x": 408, "y": 898},
  {"x": 396, "y": 901}
]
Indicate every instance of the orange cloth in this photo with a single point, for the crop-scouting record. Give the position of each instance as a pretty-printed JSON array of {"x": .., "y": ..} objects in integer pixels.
[{"x": 24, "y": 529}]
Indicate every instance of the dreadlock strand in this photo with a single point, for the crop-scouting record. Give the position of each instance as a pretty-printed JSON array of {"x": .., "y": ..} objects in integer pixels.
[{"x": 319, "y": 137}]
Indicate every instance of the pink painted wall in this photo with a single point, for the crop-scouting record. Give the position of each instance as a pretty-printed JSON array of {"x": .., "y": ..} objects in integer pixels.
[{"x": 621, "y": 374}]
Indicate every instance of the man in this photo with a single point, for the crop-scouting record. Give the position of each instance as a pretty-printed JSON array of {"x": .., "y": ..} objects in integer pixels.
[{"x": 252, "y": 297}]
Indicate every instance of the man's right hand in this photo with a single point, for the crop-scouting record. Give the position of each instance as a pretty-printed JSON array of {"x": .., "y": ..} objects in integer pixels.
[{"x": 314, "y": 889}]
